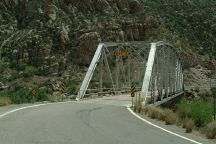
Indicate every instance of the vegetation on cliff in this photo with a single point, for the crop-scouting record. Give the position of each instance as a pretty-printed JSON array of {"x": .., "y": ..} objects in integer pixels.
[{"x": 47, "y": 41}]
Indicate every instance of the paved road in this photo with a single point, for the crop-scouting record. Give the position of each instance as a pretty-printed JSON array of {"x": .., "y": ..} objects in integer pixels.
[{"x": 104, "y": 121}]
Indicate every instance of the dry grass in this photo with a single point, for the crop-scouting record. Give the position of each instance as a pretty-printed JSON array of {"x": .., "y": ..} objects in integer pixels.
[
  {"x": 4, "y": 101},
  {"x": 211, "y": 130},
  {"x": 146, "y": 109},
  {"x": 169, "y": 117},
  {"x": 161, "y": 114},
  {"x": 154, "y": 113},
  {"x": 55, "y": 97},
  {"x": 188, "y": 124},
  {"x": 138, "y": 103}
]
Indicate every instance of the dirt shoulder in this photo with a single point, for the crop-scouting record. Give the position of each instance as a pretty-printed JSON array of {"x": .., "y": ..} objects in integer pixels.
[{"x": 195, "y": 135}]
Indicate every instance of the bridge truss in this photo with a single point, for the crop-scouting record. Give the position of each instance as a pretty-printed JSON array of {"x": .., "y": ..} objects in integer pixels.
[{"x": 156, "y": 69}]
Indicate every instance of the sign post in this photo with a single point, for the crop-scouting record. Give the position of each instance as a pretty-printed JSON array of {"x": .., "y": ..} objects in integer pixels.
[
  {"x": 213, "y": 86},
  {"x": 133, "y": 90},
  {"x": 34, "y": 91}
]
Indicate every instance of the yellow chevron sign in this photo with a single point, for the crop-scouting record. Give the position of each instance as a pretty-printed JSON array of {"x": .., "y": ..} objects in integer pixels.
[
  {"x": 62, "y": 87},
  {"x": 34, "y": 91},
  {"x": 133, "y": 90}
]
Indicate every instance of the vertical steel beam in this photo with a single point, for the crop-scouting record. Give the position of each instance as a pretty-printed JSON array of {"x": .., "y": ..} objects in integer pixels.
[
  {"x": 101, "y": 73},
  {"x": 117, "y": 72},
  {"x": 167, "y": 70},
  {"x": 109, "y": 71},
  {"x": 163, "y": 72},
  {"x": 129, "y": 71},
  {"x": 181, "y": 79},
  {"x": 178, "y": 75}
]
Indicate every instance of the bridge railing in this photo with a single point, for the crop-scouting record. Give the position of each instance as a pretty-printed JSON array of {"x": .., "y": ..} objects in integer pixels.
[
  {"x": 108, "y": 91},
  {"x": 164, "y": 74}
]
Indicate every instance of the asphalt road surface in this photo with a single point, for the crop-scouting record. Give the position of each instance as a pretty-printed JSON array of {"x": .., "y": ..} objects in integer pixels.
[{"x": 101, "y": 121}]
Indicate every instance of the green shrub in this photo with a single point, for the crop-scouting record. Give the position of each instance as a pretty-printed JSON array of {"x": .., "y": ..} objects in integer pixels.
[
  {"x": 55, "y": 97},
  {"x": 3, "y": 93},
  {"x": 183, "y": 109},
  {"x": 211, "y": 130},
  {"x": 4, "y": 99},
  {"x": 72, "y": 89},
  {"x": 30, "y": 71},
  {"x": 107, "y": 83},
  {"x": 42, "y": 94},
  {"x": 22, "y": 95},
  {"x": 3, "y": 66},
  {"x": 14, "y": 75},
  {"x": 20, "y": 67},
  {"x": 199, "y": 111}
]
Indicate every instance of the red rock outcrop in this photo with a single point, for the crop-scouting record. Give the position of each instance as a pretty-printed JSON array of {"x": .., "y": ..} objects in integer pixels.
[{"x": 88, "y": 43}]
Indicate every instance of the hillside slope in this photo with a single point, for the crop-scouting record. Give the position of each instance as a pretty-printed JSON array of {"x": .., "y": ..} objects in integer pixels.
[{"x": 45, "y": 41}]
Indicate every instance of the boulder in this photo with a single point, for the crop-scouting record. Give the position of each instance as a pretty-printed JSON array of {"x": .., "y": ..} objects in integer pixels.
[
  {"x": 88, "y": 43},
  {"x": 115, "y": 35},
  {"x": 2, "y": 86},
  {"x": 45, "y": 52},
  {"x": 62, "y": 64},
  {"x": 129, "y": 31},
  {"x": 135, "y": 6},
  {"x": 123, "y": 5},
  {"x": 54, "y": 68},
  {"x": 135, "y": 31},
  {"x": 102, "y": 5},
  {"x": 113, "y": 5},
  {"x": 142, "y": 31},
  {"x": 84, "y": 5},
  {"x": 25, "y": 57}
]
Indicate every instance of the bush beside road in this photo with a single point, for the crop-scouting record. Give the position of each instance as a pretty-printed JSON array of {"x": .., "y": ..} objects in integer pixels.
[{"x": 190, "y": 113}]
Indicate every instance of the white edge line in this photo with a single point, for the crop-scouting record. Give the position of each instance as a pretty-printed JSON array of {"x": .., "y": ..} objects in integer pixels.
[
  {"x": 26, "y": 107},
  {"x": 163, "y": 129}
]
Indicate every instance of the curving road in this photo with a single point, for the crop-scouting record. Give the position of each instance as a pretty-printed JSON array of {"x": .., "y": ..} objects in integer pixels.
[{"x": 102, "y": 121}]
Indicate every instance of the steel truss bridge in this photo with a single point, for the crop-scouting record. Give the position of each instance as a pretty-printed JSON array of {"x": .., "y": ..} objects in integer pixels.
[{"x": 155, "y": 68}]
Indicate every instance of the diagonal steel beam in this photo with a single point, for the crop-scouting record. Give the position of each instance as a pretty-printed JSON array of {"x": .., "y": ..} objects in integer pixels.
[
  {"x": 90, "y": 72},
  {"x": 148, "y": 73}
]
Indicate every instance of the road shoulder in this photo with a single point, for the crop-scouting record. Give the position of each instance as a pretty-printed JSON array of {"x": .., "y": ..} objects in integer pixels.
[{"x": 194, "y": 136}]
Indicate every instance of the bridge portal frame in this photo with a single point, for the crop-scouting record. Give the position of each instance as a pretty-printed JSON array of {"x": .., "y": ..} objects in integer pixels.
[{"x": 148, "y": 78}]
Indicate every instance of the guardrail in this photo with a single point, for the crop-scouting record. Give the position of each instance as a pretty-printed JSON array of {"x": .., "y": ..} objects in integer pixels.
[{"x": 108, "y": 91}]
